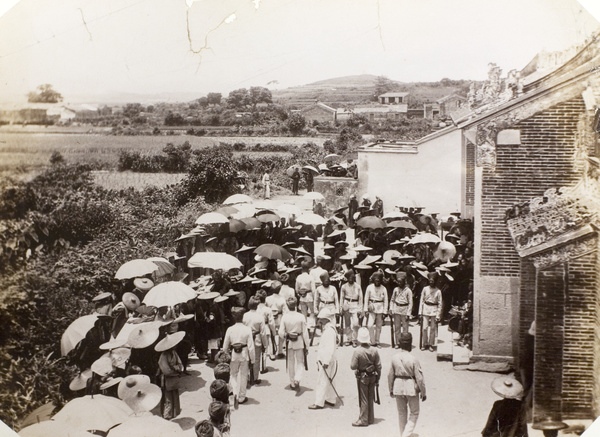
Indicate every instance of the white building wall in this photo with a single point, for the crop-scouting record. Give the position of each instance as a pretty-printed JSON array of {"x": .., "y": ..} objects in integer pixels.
[{"x": 431, "y": 178}]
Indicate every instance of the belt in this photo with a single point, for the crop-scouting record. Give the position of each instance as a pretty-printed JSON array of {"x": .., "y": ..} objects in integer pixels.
[
  {"x": 376, "y": 301},
  {"x": 401, "y": 304},
  {"x": 429, "y": 303},
  {"x": 402, "y": 377},
  {"x": 352, "y": 300},
  {"x": 327, "y": 302}
]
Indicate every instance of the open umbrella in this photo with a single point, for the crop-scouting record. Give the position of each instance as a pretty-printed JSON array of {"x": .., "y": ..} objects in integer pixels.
[
  {"x": 237, "y": 198},
  {"x": 288, "y": 210},
  {"x": 244, "y": 210},
  {"x": 163, "y": 264},
  {"x": 252, "y": 222},
  {"x": 401, "y": 224},
  {"x": 146, "y": 426},
  {"x": 76, "y": 332},
  {"x": 445, "y": 251},
  {"x": 371, "y": 222},
  {"x": 272, "y": 251},
  {"x": 314, "y": 195},
  {"x": 332, "y": 157},
  {"x": 214, "y": 260},
  {"x": 309, "y": 218},
  {"x": 168, "y": 294},
  {"x": 40, "y": 414},
  {"x": 210, "y": 218},
  {"x": 235, "y": 225},
  {"x": 390, "y": 255},
  {"x": 135, "y": 268},
  {"x": 96, "y": 412},
  {"x": 394, "y": 215},
  {"x": 267, "y": 217},
  {"x": 50, "y": 428},
  {"x": 311, "y": 169},
  {"x": 424, "y": 237},
  {"x": 227, "y": 210},
  {"x": 323, "y": 167},
  {"x": 290, "y": 170}
]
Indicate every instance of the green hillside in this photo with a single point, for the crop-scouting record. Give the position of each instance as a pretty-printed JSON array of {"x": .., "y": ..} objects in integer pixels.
[{"x": 347, "y": 90}]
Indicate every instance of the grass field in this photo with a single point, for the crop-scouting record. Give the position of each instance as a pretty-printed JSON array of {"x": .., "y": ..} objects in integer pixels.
[
  {"x": 122, "y": 180},
  {"x": 27, "y": 151}
]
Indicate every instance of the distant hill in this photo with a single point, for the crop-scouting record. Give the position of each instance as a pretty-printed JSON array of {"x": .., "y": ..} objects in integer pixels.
[{"x": 347, "y": 90}]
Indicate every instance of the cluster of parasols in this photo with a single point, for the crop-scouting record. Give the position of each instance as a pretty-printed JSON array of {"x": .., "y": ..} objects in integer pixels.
[{"x": 331, "y": 166}]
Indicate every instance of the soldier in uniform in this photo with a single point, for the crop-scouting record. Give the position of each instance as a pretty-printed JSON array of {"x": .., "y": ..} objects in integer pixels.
[
  {"x": 352, "y": 304},
  {"x": 401, "y": 306},
  {"x": 406, "y": 383},
  {"x": 293, "y": 328},
  {"x": 305, "y": 288},
  {"x": 278, "y": 306},
  {"x": 238, "y": 340},
  {"x": 367, "y": 368},
  {"x": 326, "y": 296},
  {"x": 430, "y": 310},
  {"x": 256, "y": 322},
  {"x": 375, "y": 304}
]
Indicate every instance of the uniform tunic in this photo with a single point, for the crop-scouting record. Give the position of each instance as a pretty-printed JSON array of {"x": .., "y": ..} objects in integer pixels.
[
  {"x": 376, "y": 298},
  {"x": 256, "y": 322},
  {"x": 405, "y": 381},
  {"x": 326, "y": 355},
  {"x": 294, "y": 322},
  {"x": 351, "y": 299},
  {"x": 242, "y": 334},
  {"x": 327, "y": 297},
  {"x": 367, "y": 366}
]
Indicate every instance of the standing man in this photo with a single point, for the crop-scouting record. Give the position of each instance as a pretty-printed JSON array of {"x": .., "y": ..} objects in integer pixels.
[
  {"x": 352, "y": 209},
  {"x": 367, "y": 368},
  {"x": 309, "y": 180},
  {"x": 277, "y": 303},
  {"x": 352, "y": 304},
  {"x": 376, "y": 304},
  {"x": 256, "y": 322},
  {"x": 326, "y": 360},
  {"x": 401, "y": 306},
  {"x": 238, "y": 342},
  {"x": 326, "y": 296},
  {"x": 293, "y": 329},
  {"x": 430, "y": 310},
  {"x": 378, "y": 207},
  {"x": 266, "y": 182},
  {"x": 295, "y": 181},
  {"x": 406, "y": 382},
  {"x": 305, "y": 288}
]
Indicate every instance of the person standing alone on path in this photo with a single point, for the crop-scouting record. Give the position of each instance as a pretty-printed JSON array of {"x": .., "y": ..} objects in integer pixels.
[
  {"x": 295, "y": 181},
  {"x": 367, "y": 367},
  {"x": 406, "y": 383},
  {"x": 266, "y": 182}
]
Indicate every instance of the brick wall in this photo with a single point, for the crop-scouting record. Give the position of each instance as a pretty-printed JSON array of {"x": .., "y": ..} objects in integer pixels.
[
  {"x": 470, "y": 174},
  {"x": 578, "y": 349},
  {"x": 544, "y": 159},
  {"x": 526, "y": 303}
]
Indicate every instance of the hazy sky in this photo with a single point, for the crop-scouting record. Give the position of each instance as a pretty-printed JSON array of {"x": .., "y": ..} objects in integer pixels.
[{"x": 142, "y": 46}]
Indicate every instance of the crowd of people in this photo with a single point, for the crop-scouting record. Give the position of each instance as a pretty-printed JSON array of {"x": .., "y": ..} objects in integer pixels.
[
  {"x": 332, "y": 168},
  {"x": 404, "y": 266}
]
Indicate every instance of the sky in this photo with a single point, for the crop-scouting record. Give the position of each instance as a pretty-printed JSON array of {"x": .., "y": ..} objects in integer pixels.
[{"x": 91, "y": 47}]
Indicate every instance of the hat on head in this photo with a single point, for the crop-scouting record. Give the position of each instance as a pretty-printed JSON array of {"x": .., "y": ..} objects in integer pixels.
[
  {"x": 325, "y": 313},
  {"x": 143, "y": 336},
  {"x": 111, "y": 382},
  {"x": 170, "y": 341},
  {"x": 400, "y": 275},
  {"x": 217, "y": 411},
  {"x": 211, "y": 239},
  {"x": 143, "y": 398},
  {"x": 102, "y": 296},
  {"x": 344, "y": 242},
  {"x": 219, "y": 390},
  {"x": 222, "y": 357},
  {"x": 221, "y": 299},
  {"x": 362, "y": 248},
  {"x": 363, "y": 335},
  {"x": 118, "y": 356},
  {"x": 130, "y": 383},
  {"x": 405, "y": 339},
  {"x": 183, "y": 318},
  {"x": 131, "y": 301},
  {"x": 208, "y": 295},
  {"x": 231, "y": 293},
  {"x": 245, "y": 248},
  {"x": 143, "y": 284},
  {"x": 507, "y": 387},
  {"x": 328, "y": 247},
  {"x": 113, "y": 344},
  {"x": 363, "y": 266},
  {"x": 80, "y": 381}
]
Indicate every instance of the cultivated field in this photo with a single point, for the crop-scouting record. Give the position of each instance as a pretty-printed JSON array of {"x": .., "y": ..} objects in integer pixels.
[
  {"x": 125, "y": 179},
  {"x": 24, "y": 152}
]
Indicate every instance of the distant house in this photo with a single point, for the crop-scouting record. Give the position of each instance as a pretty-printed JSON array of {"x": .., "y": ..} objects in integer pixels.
[
  {"x": 431, "y": 111},
  {"x": 374, "y": 114},
  {"x": 85, "y": 111},
  {"x": 61, "y": 114},
  {"x": 450, "y": 104},
  {"x": 393, "y": 98},
  {"x": 319, "y": 112}
]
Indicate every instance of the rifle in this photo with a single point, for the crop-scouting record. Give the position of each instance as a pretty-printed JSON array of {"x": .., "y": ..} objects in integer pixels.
[
  {"x": 263, "y": 362},
  {"x": 330, "y": 381},
  {"x": 305, "y": 358},
  {"x": 392, "y": 330},
  {"x": 312, "y": 335},
  {"x": 420, "y": 332},
  {"x": 342, "y": 328},
  {"x": 251, "y": 376},
  {"x": 377, "y": 399}
]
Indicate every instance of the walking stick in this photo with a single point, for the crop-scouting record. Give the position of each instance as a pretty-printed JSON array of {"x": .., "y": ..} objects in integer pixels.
[{"x": 330, "y": 381}]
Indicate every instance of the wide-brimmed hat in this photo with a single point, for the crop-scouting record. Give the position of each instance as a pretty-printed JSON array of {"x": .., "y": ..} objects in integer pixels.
[
  {"x": 118, "y": 356},
  {"x": 363, "y": 335},
  {"x": 288, "y": 244},
  {"x": 102, "y": 296},
  {"x": 208, "y": 295},
  {"x": 131, "y": 301},
  {"x": 232, "y": 293},
  {"x": 362, "y": 248},
  {"x": 370, "y": 259},
  {"x": 306, "y": 238},
  {"x": 336, "y": 232},
  {"x": 111, "y": 382},
  {"x": 143, "y": 284},
  {"x": 221, "y": 299},
  {"x": 113, "y": 344},
  {"x": 130, "y": 383},
  {"x": 300, "y": 250},
  {"x": 325, "y": 313},
  {"x": 102, "y": 366},
  {"x": 244, "y": 248},
  {"x": 363, "y": 266},
  {"x": 245, "y": 279},
  {"x": 507, "y": 387},
  {"x": 170, "y": 340},
  {"x": 143, "y": 335},
  {"x": 183, "y": 318},
  {"x": 80, "y": 381},
  {"x": 143, "y": 398},
  {"x": 423, "y": 273},
  {"x": 328, "y": 247}
]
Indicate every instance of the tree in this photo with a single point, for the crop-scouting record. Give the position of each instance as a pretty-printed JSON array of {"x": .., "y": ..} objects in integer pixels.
[
  {"x": 382, "y": 85},
  {"x": 259, "y": 94},
  {"x": 132, "y": 110},
  {"x": 174, "y": 119},
  {"x": 238, "y": 98},
  {"x": 296, "y": 123},
  {"x": 44, "y": 94},
  {"x": 214, "y": 98},
  {"x": 203, "y": 101},
  {"x": 211, "y": 175}
]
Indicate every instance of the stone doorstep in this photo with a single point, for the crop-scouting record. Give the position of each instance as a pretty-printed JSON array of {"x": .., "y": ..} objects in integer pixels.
[
  {"x": 576, "y": 426},
  {"x": 445, "y": 344}
]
